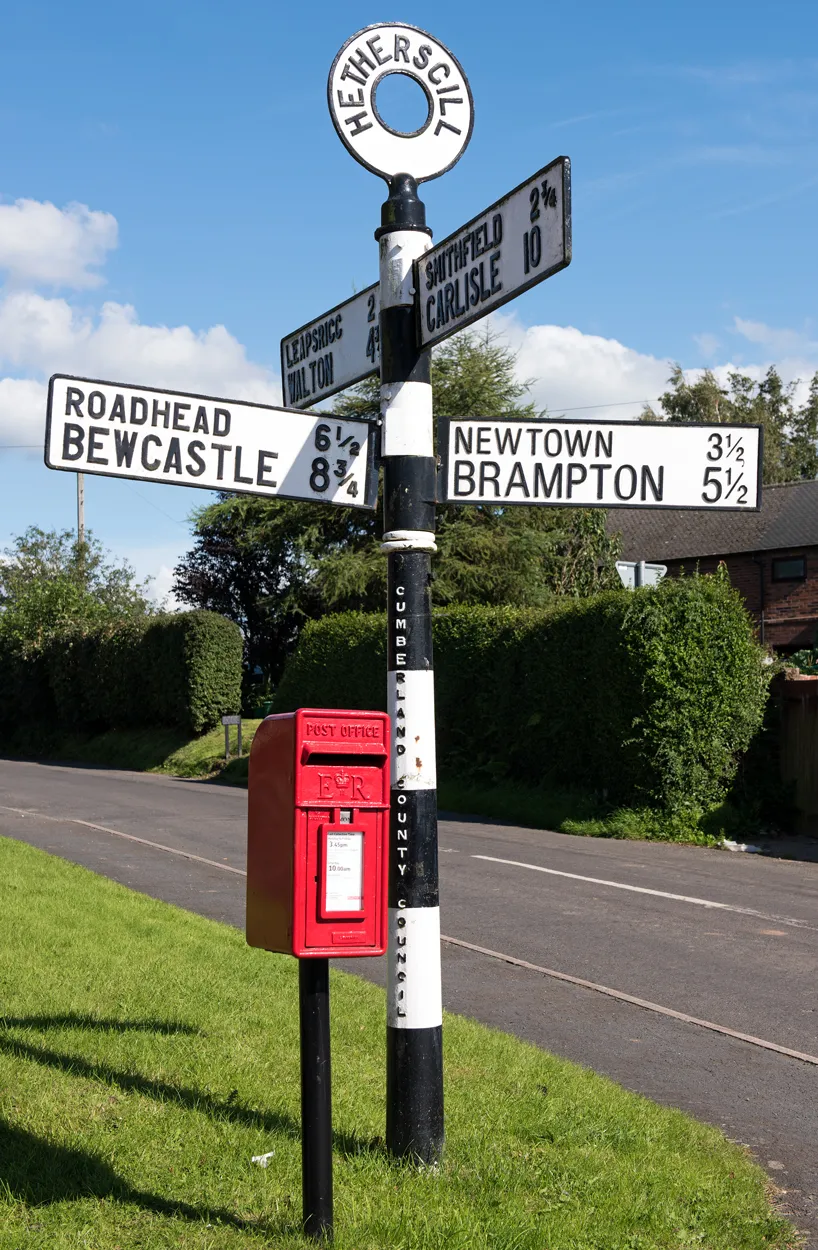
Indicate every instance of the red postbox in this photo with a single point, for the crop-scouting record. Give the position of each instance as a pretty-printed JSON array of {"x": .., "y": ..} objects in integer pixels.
[{"x": 317, "y": 833}]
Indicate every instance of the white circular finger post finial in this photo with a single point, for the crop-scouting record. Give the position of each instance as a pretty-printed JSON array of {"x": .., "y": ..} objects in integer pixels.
[{"x": 394, "y": 48}]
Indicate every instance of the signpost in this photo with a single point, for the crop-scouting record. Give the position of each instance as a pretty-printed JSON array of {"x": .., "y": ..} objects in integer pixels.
[
  {"x": 215, "y": 444},
  {"x": 427, "y": 294},
  {"x": 423, "y": 295},
  {"x": 227, "y": 721},
  {"x": 521, "y": 240},
  {"x": 601, "y": 464},
  {"x": 516, "y": 243},
  {"x": 336, "y": 350},
  {"x": 414, "y": 1062}
]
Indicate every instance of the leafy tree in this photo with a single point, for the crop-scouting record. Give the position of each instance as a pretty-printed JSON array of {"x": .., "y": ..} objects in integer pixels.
[
  {"x": 256, "y": 561},
  {"x": 271, "y": 565},
  {"x": 790, "y": 433},
  {"x": 48, "y": 581},
  {"x": 802, "y": 450}
]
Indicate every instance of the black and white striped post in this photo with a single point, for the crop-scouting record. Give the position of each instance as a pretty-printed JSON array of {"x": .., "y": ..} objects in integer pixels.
[{"x": 414, "y": 1054}]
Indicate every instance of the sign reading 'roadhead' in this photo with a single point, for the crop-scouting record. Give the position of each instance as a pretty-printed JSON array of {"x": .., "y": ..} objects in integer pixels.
[
  {"x": 215, "y": 444},
  {"x": 601, "y": 464}
]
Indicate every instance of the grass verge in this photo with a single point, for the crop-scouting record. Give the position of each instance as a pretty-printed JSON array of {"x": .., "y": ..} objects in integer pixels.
[
  {"x": 174, "y": 753},
  {"x": 572, "y": 811},
  {"x": 158, "y": 750},
  {"x": 146, "y": 1054}
]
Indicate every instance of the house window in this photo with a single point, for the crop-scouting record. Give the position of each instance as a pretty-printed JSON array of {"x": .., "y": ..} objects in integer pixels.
[{"x": 790, "y": 569}]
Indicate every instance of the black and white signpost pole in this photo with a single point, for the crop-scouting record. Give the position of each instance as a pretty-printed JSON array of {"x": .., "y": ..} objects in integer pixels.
[
  {"x": 414, "y": 1100},
  {"x": 414, "y": 1043}
]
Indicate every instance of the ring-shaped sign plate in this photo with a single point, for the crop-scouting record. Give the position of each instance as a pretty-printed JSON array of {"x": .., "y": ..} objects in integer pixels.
[{"x": 393, "y": 48}]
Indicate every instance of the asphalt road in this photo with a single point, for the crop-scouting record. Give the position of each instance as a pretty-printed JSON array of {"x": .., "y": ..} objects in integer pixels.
[{"x": 747, "y": 963}]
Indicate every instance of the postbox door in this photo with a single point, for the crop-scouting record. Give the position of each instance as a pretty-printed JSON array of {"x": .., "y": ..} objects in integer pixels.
[{"x": 344, "y": 869}]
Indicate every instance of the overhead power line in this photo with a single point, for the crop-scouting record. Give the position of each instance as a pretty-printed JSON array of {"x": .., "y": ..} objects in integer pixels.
[{"x": 619, "y": 403}]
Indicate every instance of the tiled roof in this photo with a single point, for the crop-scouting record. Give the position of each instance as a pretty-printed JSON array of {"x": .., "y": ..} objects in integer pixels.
[{"x": 788, "y": 518}]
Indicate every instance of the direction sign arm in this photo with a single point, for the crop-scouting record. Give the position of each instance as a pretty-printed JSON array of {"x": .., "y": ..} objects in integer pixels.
[
  {"x": 512, "y": 245},
  {"x": 600, "y": 464},
  {"x": 175, "y": 437},
  {"x": 336, "y": 350}
]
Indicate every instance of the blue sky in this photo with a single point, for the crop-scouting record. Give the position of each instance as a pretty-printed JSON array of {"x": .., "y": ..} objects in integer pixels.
[{"x": 218, "y": 209}]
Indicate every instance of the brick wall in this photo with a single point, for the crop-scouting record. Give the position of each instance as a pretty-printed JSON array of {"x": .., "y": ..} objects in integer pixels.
[{"x": 790, "y": 609}]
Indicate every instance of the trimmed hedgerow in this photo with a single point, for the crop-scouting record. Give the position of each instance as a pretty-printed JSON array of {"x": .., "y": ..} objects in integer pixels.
[
  {"x": 178, "y": 669},
  {"x": 340, "y": 661},
  {"x": 25, "y": 691},
  {"x": 644, "y": 697}
]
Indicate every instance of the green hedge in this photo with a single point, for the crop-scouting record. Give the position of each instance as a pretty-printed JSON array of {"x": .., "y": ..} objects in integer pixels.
[
  {"x": 643, "y": 697},
  {"x": 179, "y": 669}
]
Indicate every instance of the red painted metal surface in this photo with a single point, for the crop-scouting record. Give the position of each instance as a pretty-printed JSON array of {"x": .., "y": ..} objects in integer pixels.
[{"x": 318, "y": 810}]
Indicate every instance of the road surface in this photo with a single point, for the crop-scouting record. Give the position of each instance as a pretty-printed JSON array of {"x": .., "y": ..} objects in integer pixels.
[{"x": 728, "y": 940}]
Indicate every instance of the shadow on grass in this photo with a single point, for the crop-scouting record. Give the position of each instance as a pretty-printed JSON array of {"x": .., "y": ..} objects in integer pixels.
[
  {"x": 513, "y": 803},
  {"x": 230, "y": 1108},
  {"x": 39, "y": 1172},
  {"x": 80, "y": 1020},
  {"x": 235, "y": 773},
  {"x": 120, "y": 749}
]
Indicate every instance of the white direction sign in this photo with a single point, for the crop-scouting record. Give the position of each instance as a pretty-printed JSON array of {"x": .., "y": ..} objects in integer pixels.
[
  {"x": 361, "y": 66},
  {"x": 601, "y": 464},
  {"x": 516, "y": 243},
  {"x": 339, "y": 348},
  {"x": 214, "y": 444},
  {"x": 633, "y": 573}
]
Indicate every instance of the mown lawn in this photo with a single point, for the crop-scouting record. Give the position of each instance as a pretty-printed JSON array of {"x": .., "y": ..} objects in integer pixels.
[{"x": 146, "y": 1054}]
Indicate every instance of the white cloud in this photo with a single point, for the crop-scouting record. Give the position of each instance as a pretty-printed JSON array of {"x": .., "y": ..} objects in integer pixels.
[
  {"x": 602, "y": 378},
  {"x": 22, "y": 412},
  {"x": 40, "y": 336},
  {"x": 156, "y": 563},
  {"x": 573, "y": 370},
  {"x": 780, "y": 342},
  {"x": 42, "y": 245},
  {"x": 160, "y": 590},
  {"x": 707, "y": 344},
  {"x": 794, "y": 353}
]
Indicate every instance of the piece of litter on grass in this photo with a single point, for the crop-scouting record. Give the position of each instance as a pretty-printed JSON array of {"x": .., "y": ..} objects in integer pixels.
[
  {"x": 748, "y": 847},
  {"x": 263, "y": 1160}
]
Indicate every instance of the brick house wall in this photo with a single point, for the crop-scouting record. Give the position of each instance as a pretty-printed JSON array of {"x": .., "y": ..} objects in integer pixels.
[{"x": 786, "y": 612}]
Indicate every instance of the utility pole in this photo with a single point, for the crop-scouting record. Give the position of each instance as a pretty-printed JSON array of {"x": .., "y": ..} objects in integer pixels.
[
  {"x": 80, "y": 510},
  {"x": 81, "y": 526}
]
